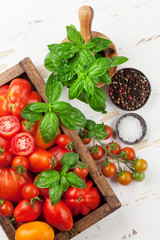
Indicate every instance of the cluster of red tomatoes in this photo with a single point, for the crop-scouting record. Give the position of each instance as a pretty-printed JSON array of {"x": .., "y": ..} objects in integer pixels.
[{"x": 125, "y": 155}]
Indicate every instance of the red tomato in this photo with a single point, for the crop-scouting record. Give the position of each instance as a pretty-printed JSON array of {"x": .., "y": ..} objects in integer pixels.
[
  {"x": 5, "y": 158},
  {"x": 109, "y": 131},
  {"x": 82, "y": 201},
  {"x": 20, "y": 160},
  {"x": 9, "y": 126},
  {"x": 130, "y": 153},
  {"x": 27, "y": 213},
  {"x": 63, "y": 140},
  {"x": 86, "y": 140},
  {"x": 125, "y": 178},
  {"x": 11, "y": 185},
  {"x": 22, "y": 144},
  {"x": 58, "y": 216},
  {"x": 41, "y": 160},
  {"x": 28, "y": 127},
  {"x": 39, "y": 141},
  {"x": 4, "y": 109},
  {"x": 58, "y": 152},
  {"x": 114, "y": 151},
  {"x": 4, "y": 143},
  {"x": 6, "y": 208},
  {"x": 99, "y": 155},
  {"x": 81, "y": 172},
  {"x": 30, "y": 191},
  {"x": 43, "y": 192},
  {"x": 82, "y": 135},
  {"x": 109, "y": 170}
]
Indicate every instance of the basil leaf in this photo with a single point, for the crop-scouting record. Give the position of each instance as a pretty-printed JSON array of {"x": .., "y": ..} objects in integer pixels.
[
  {"x": 76, "y": 88},
  {"x": 99, "y": 67},
  {"x": 90, "y": 135},
  {"x": 55, "y": 194},
  {"x": 47, "y": 179},
  {"x": 88, "y": 86},
  {"x": 90, "y": 125},
  {"x": 117, "y": 61},
  {"x": 30, "y": 116},
  {"x": 37, "y": 107},
  {"x": 79, "y": 69},
  {"x": 75, "y": 181},
  {"x": 53, "y": 89},
  {"x": 94, "y": 80},
  {"x": 97, "y": 100},
  {"x": 66, "y": 50},
  {"x": 61, "y": 107},
  {"x": 52, "y": 47},
  {"x": 84, "y": 57},
  {"x": 70, "y": 159},
  {"x": 49, "y": 127},
  {"x": 73, "y": 35},
  {"x": 99, "y": 44},
  {"x": 88, "y": 45},
  {"x": 82, "y": 97},
  {"x": 64, "y": 183},
  {"x": 100, "y": 131},
  {"x": 73, "y": 118},
  {"x": 106, "y": 78},
  {"x": 52, "y": 61},
  {"x": 65, "y": 73}
]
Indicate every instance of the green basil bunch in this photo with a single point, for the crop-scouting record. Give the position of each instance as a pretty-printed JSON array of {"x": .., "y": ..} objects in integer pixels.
[
  {"x": 79, "y": 66},
  {"x": 70, "y": 116},
  {"x": 95, "y": 130},
  {"x": 59, "y": 181}
]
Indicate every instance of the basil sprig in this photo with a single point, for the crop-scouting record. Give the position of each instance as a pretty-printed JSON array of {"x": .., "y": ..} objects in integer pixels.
[
  {"x": 76, "y": 67},
  {"x": 70, "y": 116},
  {"x": 95, "y": 130},
  {"x": 59, "y": 181}
]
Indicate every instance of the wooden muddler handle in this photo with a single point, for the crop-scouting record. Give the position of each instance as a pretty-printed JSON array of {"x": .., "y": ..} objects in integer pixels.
[{"x": 85, "y": 15}]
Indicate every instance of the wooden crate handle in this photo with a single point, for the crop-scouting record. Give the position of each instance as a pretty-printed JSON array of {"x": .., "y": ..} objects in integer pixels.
[{"x": 85, "y": 15}]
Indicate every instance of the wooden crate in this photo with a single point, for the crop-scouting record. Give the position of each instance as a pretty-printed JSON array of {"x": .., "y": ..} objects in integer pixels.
[{"x": 109, "y": 203}]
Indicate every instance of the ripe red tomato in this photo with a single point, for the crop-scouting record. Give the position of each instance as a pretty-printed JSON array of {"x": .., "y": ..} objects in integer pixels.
[
  {"x": 20, "y": 160},
  {"x": 9, "y": 127},
  {"x": 28, "y": 127},
  {"x": 23, "y": 144},
  {"x": 58, "y": 216},
  {"x": 82, "y": 201},
  {"x": 63, "y": 140},
  {"x": 4, "y": 143},
  {"x": 43, "y": 192},
  {"x": 41, "y": 160},
  {"x": 24, "y": 212},
  {"x": 86, "y": 140},
  {"x": 30, "y": 191},
  {"x": 109, "y": 170},
  {"x": 125, "y": 178},
  {"x": 11, "y": 185},
  {"x": 130, "y": 153},
  {"x": 99, "y": 155},
  {"x": 115, "y": 151},
  {"x": 109, "y": 131},
  {"x": 81, "y": 172},
  {"x": 38, "y": 139},
  {"x": 5, "y": 158},
  {"x": 6, "y": 208},
  {"x": 58, "y": 152},
  {"x": 4, "y": 109},
  {"x": 83, "y": 134}
]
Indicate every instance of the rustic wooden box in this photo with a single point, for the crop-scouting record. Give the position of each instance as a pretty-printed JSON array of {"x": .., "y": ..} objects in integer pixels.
[{"x": 109, "y": 202}]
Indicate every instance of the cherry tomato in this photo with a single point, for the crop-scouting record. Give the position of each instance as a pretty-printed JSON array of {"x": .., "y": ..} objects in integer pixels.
[
  {"x": 20, "y": 160},
  {"x": 130, "y": 153},
  {"x": 99, "y": 155},
  {"x": 83, "y": 137},
  {"x": 6, "y": 208},
  {"x": 86, "y": 140},
  {"x": 5, "y": 158},
  {"x": 109, "y": 170},
  {"x": 39, "y": 141},
  {"x": 141, "y": 165},
  {"x": 9, "y": 126},
  {"x": 30, "y": 191},
  {"x": 23, "y": 144},
  {"x": 24, "y": 212},
  {"x": 43, "y": 192},
  {"x": 41, "y": 160},
  {"x": 35, "y": 231},
  {"x": 138, "y": 176},
  {"x": 4, "y": 143},
  {"x": 11, "y": 185},
  {"x": 109, "y": 131},
  {"x": 63, "y": 140},
  {"x": 28, "y": 127},
  {"x": 125, "y": 178},
  {"x": 81, "y": 172},
  {"x": 114, "y": 151}
]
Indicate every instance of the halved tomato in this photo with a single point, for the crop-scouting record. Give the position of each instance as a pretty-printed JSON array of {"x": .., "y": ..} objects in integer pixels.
[{"x": 9, "y": 126}]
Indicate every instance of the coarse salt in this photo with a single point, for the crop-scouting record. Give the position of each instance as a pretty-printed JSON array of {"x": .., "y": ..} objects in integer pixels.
[{"x": 130, "y": 129}]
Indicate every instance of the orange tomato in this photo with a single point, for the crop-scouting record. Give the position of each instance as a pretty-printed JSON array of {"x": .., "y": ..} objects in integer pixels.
[
  {"x": 39, "y": 141},
  {"x": 34, "y": 231}
]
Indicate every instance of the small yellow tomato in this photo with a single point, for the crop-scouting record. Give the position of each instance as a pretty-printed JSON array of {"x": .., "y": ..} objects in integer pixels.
[{"x": 35, "y": 231}]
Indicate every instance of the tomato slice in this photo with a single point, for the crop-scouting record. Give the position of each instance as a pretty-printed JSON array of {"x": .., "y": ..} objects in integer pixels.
[
  {"x": 9, "y": 126},
  {"x": 23, "y": 144}
]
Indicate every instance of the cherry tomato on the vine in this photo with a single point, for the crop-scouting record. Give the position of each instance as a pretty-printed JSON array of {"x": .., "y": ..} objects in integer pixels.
[
  {"x": 63, "y": 140},
  {"x": 5, "y": 157},
  {"x": 130, "y": 153},
  {"x": 109, "y": 131},
  {"x": 109, "y": 170},
  {"x": 125, "y": 178},
  {"x": 141, "y": 165},
  {"x": 114, "y": 151},
  {"x": 30, "y": 191},
  {"x": 81, "y": 172},
  {"x": 138, "y": 176},
  {"x": 6, "y": 208},
  {"x": 28, "y": 127},
  {"x": 83, "y": 134},
  {"x": 99, "y": 154},
  {"x": 9, "y": 126}
]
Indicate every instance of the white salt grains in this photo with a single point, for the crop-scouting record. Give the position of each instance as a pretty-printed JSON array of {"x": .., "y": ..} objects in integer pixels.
[{"x": 130, "y": 129}]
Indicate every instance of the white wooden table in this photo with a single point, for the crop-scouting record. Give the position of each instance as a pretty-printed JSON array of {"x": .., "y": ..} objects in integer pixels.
[{"x": 27, "y": 27}]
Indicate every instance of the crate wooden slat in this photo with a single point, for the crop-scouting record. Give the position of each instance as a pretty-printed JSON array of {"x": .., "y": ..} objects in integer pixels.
[{"x": 111, "y": 202}]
